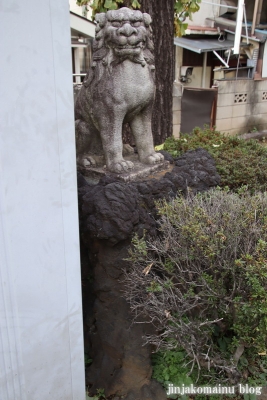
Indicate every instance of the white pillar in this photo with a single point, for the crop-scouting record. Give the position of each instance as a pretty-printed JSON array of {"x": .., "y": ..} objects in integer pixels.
[
  {"x": 41, "y": 335},
  {"x": 77, "y": 67},
  {"x": 239, "y": 23}
]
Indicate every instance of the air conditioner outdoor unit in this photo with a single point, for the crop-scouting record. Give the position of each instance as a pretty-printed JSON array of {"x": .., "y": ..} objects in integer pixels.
[
  {"x": 185, "y": 72},
  {"x": 224, "y": 9}
]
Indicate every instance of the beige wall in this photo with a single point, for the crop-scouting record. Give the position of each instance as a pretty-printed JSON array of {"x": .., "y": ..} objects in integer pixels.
[
  {"x": 205, "y": 11},
  {"x": 196, "y": 78},
  {"x": 177, "y": 99},
  {"x": 241, "y": 106}
]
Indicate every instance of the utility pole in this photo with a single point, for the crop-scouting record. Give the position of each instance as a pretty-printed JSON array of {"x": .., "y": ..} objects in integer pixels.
[{"x": 239, "y": 22}]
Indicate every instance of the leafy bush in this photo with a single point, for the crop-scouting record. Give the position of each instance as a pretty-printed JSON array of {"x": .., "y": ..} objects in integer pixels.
[
  {"x": 203, "y": 281},
  {"x": 168, "y": 367},
  {"x": 238, "y": 161}
]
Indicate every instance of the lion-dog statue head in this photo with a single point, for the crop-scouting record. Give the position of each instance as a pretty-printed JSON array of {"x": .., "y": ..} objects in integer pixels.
[{"x": 118, "y": 88}]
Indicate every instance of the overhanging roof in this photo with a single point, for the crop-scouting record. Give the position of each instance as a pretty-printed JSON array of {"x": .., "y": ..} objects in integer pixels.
[
  {"x": 81, "y": 26},
  {"x": 203, "y": 45}
]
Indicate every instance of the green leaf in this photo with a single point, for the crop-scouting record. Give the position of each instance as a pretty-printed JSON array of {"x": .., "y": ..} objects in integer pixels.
[
  {"x": 82, "y": 2},
  {"x": 110, "y": 4},
  {"x": 114, "y": 6},
  {"x": 183, "y": 28},
  {"x": 178, "y": 7},
  {"x": 136, "y": 4},
  {"x": 95, "y": 4}
]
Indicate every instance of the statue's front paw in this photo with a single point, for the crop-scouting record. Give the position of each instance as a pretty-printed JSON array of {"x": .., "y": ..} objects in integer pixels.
[
  {"x": 88, "y": 161},
  {"x": 154, "y": 158},
  {"x": 121, "y": 166}
]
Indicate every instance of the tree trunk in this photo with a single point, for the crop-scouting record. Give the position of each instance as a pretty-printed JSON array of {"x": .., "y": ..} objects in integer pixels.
[{"x": 162, "y": 14}]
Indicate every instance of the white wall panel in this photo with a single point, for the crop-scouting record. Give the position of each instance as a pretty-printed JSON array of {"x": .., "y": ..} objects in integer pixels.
[
  {"x": 264, "y": 63},
  {"x": 41, "y": 342}
]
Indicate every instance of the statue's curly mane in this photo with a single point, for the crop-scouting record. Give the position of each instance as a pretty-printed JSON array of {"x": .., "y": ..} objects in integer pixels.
[{"x": 104, "y": 57}]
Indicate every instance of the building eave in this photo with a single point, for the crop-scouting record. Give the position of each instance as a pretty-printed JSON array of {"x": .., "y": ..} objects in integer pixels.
[{"x": 81, "y": 26}]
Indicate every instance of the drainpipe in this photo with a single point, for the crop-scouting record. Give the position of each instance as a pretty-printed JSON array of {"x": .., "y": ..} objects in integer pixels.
[
  {"x": 256, "y": 7},
  {"x": 239, "y": 21},
  {"x": 204, "y": 69}
]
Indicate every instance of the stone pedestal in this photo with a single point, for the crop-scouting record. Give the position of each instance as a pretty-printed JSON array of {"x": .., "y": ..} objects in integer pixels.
[
  {"x": 140, "y": 171},
  {"x": 111, "y": 211}
]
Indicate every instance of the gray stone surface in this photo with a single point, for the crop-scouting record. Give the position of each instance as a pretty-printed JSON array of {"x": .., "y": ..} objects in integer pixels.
[
  {"x": 94, "y": 173},
  {"x": 113, "y": 210},
  {"x": 119, "y": 88}
]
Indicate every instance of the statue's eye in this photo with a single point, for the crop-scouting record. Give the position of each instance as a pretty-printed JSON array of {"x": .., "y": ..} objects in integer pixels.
[
  {"x": 136, "y": 24},
  {"x": 117, "y": 24}
]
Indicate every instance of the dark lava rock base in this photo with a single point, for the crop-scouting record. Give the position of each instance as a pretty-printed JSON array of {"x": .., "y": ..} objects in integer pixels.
[{"x": 110, "y": 213}]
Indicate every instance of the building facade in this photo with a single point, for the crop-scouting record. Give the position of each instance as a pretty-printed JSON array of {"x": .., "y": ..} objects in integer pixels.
[{"x": 221, "y": 68}]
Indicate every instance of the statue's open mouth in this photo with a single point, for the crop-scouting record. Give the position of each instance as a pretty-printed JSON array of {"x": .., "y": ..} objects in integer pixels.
[
  {"x": 133, "y": 49},
  {"x": 130, "y": 46}
]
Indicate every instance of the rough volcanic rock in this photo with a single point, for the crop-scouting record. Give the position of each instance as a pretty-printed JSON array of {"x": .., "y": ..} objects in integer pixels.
[
  {"x": 110, "y": 213},
  {"x": 195, "y": 169},
  {"x": 167, "y": 156},
  {"x": 113, "y": 210}
]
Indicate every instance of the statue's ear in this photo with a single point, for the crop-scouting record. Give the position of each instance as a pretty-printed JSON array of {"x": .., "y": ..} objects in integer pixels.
[
  {"x": 149, "y": 44},
  {"x": 148, "y": 56},
  {"x": 147, "y": 19},
  {"x": 101, "y": 20}
]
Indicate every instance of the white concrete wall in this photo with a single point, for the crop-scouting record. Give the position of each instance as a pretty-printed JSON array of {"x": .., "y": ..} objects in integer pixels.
[
  {"x": 75, "y": 8},
  {"x": 264, "y": 62},
  {"x": 205, "y": 11},
  {"x": 41, "y": 339},
  {"x": 80, "y": 10}
]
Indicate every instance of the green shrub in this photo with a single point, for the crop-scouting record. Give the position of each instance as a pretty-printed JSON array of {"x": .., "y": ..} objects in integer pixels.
[
  {"x": 203, "y": 281},
  {"x": 169, "y": 367},
  {"x": 238, "y": 161}
]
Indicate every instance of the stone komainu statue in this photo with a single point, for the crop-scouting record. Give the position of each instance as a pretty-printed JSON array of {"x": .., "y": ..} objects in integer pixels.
[{"x": 118, "y": 88}]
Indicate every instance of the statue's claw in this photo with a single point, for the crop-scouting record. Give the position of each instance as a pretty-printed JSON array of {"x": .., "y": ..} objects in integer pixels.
[
  {"x": 120, "y": 167},
  {"x": 88, "y": 161},
  {"x": 154, "y": 158}
]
